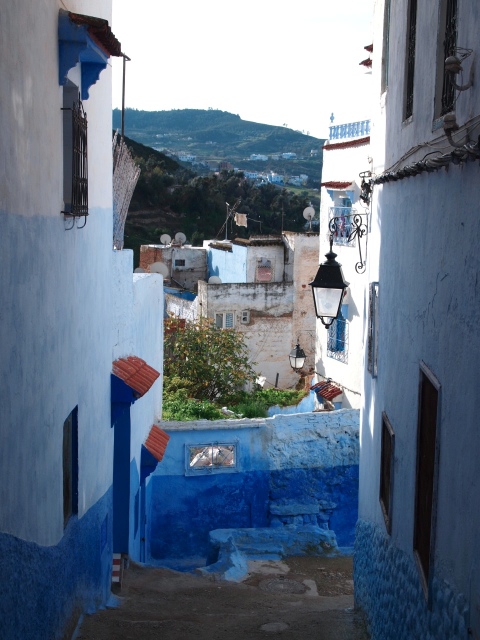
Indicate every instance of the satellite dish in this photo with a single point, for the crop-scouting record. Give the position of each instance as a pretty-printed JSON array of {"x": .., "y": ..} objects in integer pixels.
[
  {"x": 309, "y": 213},
  {"x": 159, "y": 267},
  {"x": 180, "y": 237},
  {"x": 139, "y": 270},
  {"x": 214, "y": 280},
  {"x": 165, "y": 239}
]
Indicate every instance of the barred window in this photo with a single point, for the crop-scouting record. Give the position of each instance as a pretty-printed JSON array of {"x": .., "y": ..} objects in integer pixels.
[
  {"x": 446, "y": 47},
  {"x": 210, "y": 458},
  {"x": 343, "y": 217},
  {"x": 337, "y": 341},
  {"x": 75, "y": 178}
]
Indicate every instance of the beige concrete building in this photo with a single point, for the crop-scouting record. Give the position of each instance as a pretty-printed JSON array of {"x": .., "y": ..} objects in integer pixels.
[{"x": 264, "y": 293}]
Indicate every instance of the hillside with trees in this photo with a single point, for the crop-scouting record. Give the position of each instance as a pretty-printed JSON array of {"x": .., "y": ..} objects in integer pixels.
[
  {"x": 214, "y": 136},
  {"x": 169, "y": 198}
]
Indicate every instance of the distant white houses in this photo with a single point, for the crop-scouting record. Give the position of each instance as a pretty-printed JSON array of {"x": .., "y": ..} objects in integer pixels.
[
  {"x": 298, "y": 181},
  {"x": 186, "y": 157},
  {"x": 258, "y": 156},
  {"x": 289, "y": 155},
  {"x": 275, "y": 178}
]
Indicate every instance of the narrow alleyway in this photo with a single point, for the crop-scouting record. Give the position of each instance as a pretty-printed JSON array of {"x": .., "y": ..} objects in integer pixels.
[{"x": 304, "y": 598}]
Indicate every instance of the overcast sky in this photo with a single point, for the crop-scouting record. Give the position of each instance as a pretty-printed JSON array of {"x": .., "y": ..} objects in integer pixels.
[{"x": 266, "y": 60}]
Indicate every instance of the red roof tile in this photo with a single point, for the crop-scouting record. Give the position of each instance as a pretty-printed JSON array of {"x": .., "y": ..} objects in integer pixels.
[
  {"x": 136, "y": 373},
  {"x": 366, "y": 63},
  {"x": 100, "y": 32},
  {"x": 156, "y": 442},
  {"x": 326, "y": 389},
  {"x": 346, "y": 145},
  {"x": 335, "y": 185}
]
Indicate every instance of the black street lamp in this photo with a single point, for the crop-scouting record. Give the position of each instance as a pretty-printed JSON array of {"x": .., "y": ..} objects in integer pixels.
[
  {"x": 328, "y": 289},
  {"x": 297, "y": 357}
]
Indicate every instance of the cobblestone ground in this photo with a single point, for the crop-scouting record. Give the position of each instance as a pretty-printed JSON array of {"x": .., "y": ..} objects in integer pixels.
[{"x": 300, "y": 598}]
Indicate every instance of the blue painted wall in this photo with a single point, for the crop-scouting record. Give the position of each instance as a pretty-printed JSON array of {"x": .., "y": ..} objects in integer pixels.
[
  {"x": 304, "y": 459},
  {"x": 387, "y": 587},
  {"x": 307, "y": 404},
  {"x": 43, "y": 590},
  {"x": 231, "y": 266},
  {"x": 186, "y": 509}
]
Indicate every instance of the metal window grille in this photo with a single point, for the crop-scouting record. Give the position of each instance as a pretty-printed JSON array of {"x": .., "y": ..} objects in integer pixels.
[
  {"x": 210, "y": 458},
  {"x": 79, "y": 161},
  {"x": 337, "y": 341},
  {"x": 411, "y": 42},
  {"x": 449, "y": 47}
]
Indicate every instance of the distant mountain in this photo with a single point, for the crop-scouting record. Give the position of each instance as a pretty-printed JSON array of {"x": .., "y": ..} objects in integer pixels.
[{"x": 213, "y": 136}]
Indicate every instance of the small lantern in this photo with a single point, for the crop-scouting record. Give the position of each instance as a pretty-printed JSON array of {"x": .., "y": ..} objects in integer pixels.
[
  {"x": 297, "y": 357},
  {"x": 328, "y": 289}
]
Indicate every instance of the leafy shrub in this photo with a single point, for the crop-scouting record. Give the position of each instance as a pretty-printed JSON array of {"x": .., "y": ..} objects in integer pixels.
[{"x": 178, "y": 406}]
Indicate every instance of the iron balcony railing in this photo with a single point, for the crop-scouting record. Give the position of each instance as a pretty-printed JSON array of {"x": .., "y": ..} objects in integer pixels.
[
  {"x": 350, "y": 130},
  {"x": 343, "y": 228}
]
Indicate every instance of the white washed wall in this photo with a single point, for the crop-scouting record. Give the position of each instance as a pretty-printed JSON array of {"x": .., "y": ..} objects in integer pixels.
[
  {"x": 56, "y": 294},
  {"x": 424, "y": 251}
]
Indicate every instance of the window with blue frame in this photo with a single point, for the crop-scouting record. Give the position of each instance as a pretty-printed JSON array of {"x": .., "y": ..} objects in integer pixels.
[{"x": 337, "y": 341}]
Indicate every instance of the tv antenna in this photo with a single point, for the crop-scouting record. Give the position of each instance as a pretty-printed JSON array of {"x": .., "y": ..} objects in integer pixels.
[{"x": 230, "y": 213}]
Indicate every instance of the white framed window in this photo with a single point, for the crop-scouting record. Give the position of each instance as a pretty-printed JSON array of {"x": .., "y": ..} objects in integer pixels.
[
  {"x": 225, "y": 320},
  {"x": 214, "y": 457}
]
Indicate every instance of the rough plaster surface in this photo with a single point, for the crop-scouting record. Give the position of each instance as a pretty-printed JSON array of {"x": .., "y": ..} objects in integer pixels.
[
  {"x": 295, "y": 473},
  {"x": 44, "y": 590},
  {"x": 398, "y": 608}
]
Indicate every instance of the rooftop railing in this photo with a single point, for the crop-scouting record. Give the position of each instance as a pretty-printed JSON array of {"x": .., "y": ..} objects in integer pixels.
[{"x": 350, "y": 130}]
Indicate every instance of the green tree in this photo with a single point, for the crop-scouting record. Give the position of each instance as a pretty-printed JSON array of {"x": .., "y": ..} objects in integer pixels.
[{"x": 214, "y": 361}]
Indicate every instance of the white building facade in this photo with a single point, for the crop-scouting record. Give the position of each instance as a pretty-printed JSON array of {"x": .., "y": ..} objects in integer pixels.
[
  {"x": 345, "y": 218},
  {"x": 59, "y": 333},
  {"x": 417, "y": 560}
]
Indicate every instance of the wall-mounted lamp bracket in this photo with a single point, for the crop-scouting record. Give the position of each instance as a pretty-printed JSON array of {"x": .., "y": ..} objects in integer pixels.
[
  {"x": 366, "y": 187},
  {"x": 453, "y": 66},
  {"x": 358, "y": 230}
]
